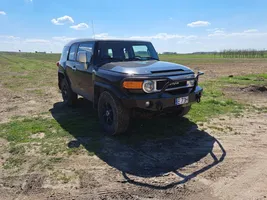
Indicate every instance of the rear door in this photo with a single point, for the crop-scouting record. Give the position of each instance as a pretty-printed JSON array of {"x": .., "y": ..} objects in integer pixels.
[
  {"x": 71, "y": 68},
  {"x": 84, "y": 71}
]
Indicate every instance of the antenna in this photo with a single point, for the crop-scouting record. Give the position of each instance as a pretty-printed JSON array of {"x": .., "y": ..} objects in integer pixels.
[{"x": 93, "y": 30}]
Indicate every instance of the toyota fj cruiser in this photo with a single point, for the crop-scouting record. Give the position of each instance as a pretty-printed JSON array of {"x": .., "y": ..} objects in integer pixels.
[{"x": 123, "y": 77}]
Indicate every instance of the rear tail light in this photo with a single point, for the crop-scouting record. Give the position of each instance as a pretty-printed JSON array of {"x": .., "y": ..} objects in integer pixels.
[{"x": 58, "y": 63}]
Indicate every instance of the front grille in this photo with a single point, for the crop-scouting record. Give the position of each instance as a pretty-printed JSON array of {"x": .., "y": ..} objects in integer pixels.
[
  {"x": 179, "y": 91},
  {"x": 160, "y": 84}
]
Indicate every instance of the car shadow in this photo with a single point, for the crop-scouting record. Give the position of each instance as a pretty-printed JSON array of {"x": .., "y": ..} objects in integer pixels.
[{"x": 151, "y": 147}]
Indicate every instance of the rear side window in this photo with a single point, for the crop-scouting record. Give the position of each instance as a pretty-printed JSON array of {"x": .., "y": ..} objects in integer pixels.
[
  {"x": 110, "y": 53},
  {"x": 73, "y": 52},
  {"x": 64, "y": 54}
]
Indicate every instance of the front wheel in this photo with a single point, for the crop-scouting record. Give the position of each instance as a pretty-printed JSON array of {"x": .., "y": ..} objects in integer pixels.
[{"x": 114, "y": 118}]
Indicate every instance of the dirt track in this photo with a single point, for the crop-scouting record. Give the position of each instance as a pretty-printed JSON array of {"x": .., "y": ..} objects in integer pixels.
[
  {"x": 222, "y": 159},
  {"x": 226, "y": 161}
]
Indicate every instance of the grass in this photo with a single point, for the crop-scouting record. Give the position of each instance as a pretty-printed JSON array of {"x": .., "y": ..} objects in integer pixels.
[
  {"x": 196, "y": 59},
  {"x": 252, "y": 79},
  {"x": 80, "y": 124},
  {"x": 37, "y": 72},
  {"x": 22, "y": 71}
]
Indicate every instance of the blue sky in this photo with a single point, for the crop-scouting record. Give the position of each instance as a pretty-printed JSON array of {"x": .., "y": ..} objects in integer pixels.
[{"x": 174, "y": 25}]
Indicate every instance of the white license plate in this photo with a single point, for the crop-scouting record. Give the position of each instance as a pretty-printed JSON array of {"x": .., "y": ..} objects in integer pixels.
[{"x": 181, "y": 100}]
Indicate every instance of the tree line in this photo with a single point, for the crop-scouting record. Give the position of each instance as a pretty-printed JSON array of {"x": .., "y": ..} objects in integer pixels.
[{"x": 246, "y": 53}]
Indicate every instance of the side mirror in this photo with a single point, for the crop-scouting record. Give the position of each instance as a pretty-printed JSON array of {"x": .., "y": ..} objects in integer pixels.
[{"x": 85, "y": 58}]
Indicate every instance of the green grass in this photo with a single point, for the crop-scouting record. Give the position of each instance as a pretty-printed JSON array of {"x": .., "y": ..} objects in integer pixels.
[
  {"x": 252, "y": 79},
  {"x": 196, "y": 59},
  {"x": 21, "y": 72},
  {"x": 32, "y": 74}
]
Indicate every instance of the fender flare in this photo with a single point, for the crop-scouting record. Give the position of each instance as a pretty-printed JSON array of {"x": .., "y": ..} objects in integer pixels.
[{"x": 100, "y": 87}]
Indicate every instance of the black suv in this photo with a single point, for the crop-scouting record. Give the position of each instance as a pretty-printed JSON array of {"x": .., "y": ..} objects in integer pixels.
[{"x": 123, "y": 78}]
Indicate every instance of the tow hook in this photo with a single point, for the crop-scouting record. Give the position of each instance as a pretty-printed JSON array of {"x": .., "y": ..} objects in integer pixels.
[
  {"x": 198, "y": 98},
  {"x": 159, "y": 106}
]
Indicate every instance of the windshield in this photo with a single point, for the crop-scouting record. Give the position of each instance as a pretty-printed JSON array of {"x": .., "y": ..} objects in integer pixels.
[{"x": 116, "y": 51}]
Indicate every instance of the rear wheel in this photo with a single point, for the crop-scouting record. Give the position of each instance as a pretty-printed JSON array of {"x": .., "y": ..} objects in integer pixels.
[
  {"x": 114, "y": 118},
  {"x": 68, "y": 96}
]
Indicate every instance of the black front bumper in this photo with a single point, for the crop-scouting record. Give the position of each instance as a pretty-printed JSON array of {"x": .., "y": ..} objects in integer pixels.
[{"x": 162, "y": 101}]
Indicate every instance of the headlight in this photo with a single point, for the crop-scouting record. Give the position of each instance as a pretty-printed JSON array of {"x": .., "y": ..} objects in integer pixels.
[
  {"x": 191, "y": 83},
  {"x": 149, "y": 86}
]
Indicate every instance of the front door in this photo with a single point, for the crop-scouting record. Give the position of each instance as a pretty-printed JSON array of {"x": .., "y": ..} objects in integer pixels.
[
  {"x": 71, "y": 69},
  {"x": 84, "y": 71}
]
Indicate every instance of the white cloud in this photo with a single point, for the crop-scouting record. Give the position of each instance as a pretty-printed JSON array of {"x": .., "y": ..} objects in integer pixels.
[
  {"x": 9, "y": 37},
  {"x": 62, "y": 20},
  {"x": 163, "y": 36},
  {"x": 42, "y": 41},
  {"x": 103, "y": 36},
  {"x": 218, "y": 39},
  {"x": 159, "y": 36},
  {"x": 199, "y": 24},
  {"x": 215, "y": 29},
  {"x": 251, "y": 31},
  {"x": 81, "y": 26},
  {"x": 2, "y": 13},
  {"x": 63, "y": 38}
]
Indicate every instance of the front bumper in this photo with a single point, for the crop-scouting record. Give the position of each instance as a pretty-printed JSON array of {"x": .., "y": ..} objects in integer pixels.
[{"x": 160, "y": 102}]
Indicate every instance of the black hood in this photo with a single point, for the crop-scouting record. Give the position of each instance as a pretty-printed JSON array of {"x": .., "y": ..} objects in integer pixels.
[{"x": 145, "y": 67}]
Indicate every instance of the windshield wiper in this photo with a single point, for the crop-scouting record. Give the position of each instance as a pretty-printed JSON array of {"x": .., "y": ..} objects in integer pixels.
[
  {"x": 108, "y": 60},
  {"x": 151, "y": 58}
]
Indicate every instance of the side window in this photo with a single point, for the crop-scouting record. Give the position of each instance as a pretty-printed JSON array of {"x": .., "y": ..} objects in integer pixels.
[
  {"x": 126, "y": 53},
  {"x": 110, "y": 53},
  {"x": 64, "y": 54},
  {"x": 141, "y": 50},
  {"x": 87, "y": 47},
  {"x": 72, "y": 54}
]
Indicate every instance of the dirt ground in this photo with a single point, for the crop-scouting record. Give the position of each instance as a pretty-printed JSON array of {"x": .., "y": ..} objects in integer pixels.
[{"x": 225, "y": 158}]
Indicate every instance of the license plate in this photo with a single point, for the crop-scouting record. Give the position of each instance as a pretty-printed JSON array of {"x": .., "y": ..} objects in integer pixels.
[{"x": 181, "y": 101}]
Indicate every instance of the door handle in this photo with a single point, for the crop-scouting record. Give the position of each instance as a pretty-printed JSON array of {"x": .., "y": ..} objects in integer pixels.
[{"x": 74, "y": 68}]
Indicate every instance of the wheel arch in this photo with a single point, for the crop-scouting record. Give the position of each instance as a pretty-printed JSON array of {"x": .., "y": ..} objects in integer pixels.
[{"x": 101, "y": 87}]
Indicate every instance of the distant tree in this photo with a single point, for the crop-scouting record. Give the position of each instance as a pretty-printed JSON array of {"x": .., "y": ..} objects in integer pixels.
[
  {"x": 19, "y": 50},
  {"x": 36, "y": 51}
]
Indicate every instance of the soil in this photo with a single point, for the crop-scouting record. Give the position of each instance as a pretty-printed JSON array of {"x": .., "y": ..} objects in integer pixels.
[
  {"x": 222, "y": 159},
  {"x": 254, "y": 95},
  {"x": 225, "y": 158},
  {"x": 254, "y": 88}
]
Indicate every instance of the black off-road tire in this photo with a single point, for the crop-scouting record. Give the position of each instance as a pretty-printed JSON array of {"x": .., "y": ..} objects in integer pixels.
[
  {"x": 69, "y": 97},
  {"x": 114, "y": 118}
]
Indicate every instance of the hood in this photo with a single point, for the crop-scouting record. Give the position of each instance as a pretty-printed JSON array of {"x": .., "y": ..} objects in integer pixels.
[{"x": 145, "y": 67}]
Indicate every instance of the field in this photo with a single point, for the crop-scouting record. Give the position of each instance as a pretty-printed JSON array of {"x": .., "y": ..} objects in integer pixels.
[{"x": 50, "y": 151}]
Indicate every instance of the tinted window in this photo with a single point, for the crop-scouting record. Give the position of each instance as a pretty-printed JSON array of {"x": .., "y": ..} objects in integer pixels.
[
  {"x": 73, "y": 51},
  {"x": 64, "y": 54},
  {"x": 112, "y": 51},
  {"x": 141, "y": 50},
  {"x": 86, "y": 47}
]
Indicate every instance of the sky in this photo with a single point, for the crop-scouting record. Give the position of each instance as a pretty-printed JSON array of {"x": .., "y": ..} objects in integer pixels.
[{"x": 171, "y": 25}]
